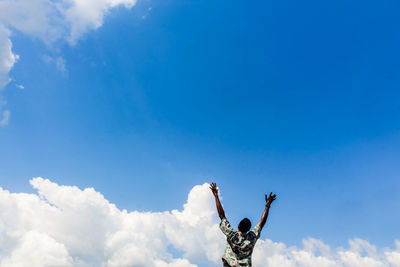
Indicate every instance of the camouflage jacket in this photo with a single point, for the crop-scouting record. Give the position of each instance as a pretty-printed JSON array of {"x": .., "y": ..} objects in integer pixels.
[{"x": 239, "y": 246}]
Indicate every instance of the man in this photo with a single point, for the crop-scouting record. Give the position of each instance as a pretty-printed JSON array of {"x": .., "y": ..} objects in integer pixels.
[{"x": 240, "y": 244}]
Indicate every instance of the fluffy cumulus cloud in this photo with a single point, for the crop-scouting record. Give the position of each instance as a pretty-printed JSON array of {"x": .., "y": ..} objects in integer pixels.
[{"x": 67, "y": 226}]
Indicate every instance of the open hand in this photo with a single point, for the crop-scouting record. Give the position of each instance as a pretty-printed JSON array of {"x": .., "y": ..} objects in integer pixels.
[
  {"x": 214, "y": 189},
  {"x": 269, "y": 199}
]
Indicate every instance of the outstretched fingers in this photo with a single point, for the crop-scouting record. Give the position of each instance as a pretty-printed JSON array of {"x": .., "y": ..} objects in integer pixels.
[
  {"x": 269, "y": 199},
  {"x": 214, "y": 188}
]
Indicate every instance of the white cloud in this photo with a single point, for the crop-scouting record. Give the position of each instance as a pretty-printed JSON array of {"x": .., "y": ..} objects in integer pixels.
[
  {"x": 83, "y": 228},
  {"x": 87, "y": 15},
  {"x": 49, "y": 21},
  {"x": 4, "y": 114},
  {"x": 7, "y": 57},
  {"x": 5, "y": 117},
  {"x": 317, "y": 254},
  {"x": 59, "y": 62},
  {"x": 67, "y": 226},
  {"x": 52, "y": 20},
  {"x": 37, "y": 249}
]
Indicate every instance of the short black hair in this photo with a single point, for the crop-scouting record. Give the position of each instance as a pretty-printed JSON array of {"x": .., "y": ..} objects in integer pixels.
[{"x": 244, "y": 225}]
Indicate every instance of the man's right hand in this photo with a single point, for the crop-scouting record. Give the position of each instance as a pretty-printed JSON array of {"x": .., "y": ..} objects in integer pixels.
[{"x": 269, "y": 199}]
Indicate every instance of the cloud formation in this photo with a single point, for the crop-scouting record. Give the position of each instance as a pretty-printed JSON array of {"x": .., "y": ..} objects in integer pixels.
[
  {"x": 7, "y": 57},
  {"x": 4, "y": 118},
  {"x": 4, "y": 113},
  {"x": 67, "y": 226},
  {"x": 48, "y": 21}
]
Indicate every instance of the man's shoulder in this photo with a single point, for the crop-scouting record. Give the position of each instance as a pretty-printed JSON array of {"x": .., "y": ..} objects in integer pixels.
[
  {"x": 226, "y": 228},
  {"x": 251, "y": 236},
  {"x": 255, "y": 233}
]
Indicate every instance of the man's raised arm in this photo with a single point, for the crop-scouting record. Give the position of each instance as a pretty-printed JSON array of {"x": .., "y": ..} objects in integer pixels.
[
  {"x": 220, "y": 209},
  {"x": 269, "y": 201}
]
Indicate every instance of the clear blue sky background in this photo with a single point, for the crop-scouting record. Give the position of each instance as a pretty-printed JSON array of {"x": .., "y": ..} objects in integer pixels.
[{"x": 301, "y": 98}]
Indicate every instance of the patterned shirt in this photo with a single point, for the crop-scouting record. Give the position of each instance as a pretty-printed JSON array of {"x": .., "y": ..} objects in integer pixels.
[{"x": 239, "y": 246}]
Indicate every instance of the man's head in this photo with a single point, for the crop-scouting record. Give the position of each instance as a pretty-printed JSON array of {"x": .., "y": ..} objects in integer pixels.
[{"x": 244, "y": 225}]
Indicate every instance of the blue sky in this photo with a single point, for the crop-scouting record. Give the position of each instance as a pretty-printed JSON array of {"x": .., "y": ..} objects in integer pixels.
[{"x": 299, "y": 98}]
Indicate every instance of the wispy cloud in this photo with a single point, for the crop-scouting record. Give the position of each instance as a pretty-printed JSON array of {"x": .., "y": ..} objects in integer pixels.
[
  {"x": 49, "y": 21},
  {"x": 5, "y": 118},
  {"x": 4, "y": 113},
  {"x": 147, "y": 13},
  {"x": 67, "y": 226},
  {"x": 59, "y": 63},
  {"x": 7, "y": 57}
]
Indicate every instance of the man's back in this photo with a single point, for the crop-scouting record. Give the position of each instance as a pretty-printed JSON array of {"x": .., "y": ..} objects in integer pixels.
[{"x": 239, "y": 246}]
